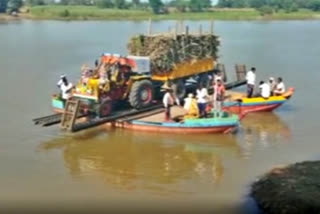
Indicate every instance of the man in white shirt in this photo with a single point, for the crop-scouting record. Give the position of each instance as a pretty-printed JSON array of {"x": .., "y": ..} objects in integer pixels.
[
  {"x": 217, "y": 77},
  {"x": 251, "y": 80},
  {"x": 202, "y": 99},
  {"x": 280, "y": 88},
  {"x": 65, "y": 87},
  {"x": 168, "y": 101},
  {"x": 59, "y": 83},
  {"x": 272, "y": 84},
  {"x": 264, "y": 90}
]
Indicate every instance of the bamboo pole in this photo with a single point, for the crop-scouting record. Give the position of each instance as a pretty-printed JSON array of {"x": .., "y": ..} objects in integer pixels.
[
  {"x": 176, "y": 30},
  {"x": 211, "y": 26},
  {"x": 149, "y": 27},
  {"x": 200, "y": 29},
  {"x": 181, "y": 26}
]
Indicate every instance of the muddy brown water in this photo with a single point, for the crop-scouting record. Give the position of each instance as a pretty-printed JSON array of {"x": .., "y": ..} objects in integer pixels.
[{"x": 99, "y": 167}]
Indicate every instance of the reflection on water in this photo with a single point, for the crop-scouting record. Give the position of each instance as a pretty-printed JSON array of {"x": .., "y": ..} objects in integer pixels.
[
  {"x": 262, "y": 130},
  {"x": 161, "y": 164},
  {"x": 131, "y": 161}
]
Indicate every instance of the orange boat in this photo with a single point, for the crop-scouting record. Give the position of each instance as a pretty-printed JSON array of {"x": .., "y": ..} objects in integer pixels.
[{"x": 240, "y": 104}]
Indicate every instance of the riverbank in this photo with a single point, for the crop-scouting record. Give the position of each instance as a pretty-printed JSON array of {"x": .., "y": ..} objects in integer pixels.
[
  {"x": 93, "y": 13},
  {"x": 292, "y": 189}
]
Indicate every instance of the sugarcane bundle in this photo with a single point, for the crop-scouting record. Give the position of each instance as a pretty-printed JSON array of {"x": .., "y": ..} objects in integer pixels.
[{"x": 167, "y": 50}]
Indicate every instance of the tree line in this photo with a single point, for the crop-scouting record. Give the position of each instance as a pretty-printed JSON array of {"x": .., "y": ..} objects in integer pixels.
[
  {"x": 274, "y": 5},
  {"x": 157, "y": 6}
]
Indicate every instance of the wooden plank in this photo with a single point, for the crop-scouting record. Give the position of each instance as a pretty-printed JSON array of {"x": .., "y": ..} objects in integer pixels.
[
  {"x": 115, "y": 116},
  {"x": 74, "y": 115},
  {"x": 70, "y": 114},
  {"x": 240, "y": 71}
]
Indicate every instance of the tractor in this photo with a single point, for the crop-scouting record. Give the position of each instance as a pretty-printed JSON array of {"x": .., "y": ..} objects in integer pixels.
[{"x": 116, "y": 79}]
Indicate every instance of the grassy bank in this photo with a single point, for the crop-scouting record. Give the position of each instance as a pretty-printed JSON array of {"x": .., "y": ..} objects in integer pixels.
[{"x": 94, "y": 13}]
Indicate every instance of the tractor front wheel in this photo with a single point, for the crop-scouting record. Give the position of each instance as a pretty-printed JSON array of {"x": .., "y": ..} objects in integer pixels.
[{"x": 141, "y": 94}]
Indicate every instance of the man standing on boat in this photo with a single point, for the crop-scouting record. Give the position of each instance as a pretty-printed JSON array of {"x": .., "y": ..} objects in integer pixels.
[
  {"x": 65, "y": 87},
  {"x": 168, "y": 101},
  {"x": 218, "y": 96},
  {"x": 251, "y": 80},
  {"x": 202, "y": 96}
]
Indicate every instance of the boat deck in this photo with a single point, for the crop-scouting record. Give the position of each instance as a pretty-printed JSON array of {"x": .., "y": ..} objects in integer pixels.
[{"x": 176, "y": 111}]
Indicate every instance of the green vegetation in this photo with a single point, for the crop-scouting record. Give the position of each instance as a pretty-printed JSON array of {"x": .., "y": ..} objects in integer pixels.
[
  {"x": 265, "y": 10},
  {"x": 3, "y": 6},
  {"x": 86, "y": 12},
  {"x": 287, "y": 5},
  {"x": 156, "y": 6},
  {"x": 172, "y": 10},
  {"x": 14, "y": 5},
  {"x": 92, "y": 12}
]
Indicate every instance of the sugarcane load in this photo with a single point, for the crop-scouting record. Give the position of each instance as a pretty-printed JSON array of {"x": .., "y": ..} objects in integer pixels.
[{"x": 166, "y": 51}]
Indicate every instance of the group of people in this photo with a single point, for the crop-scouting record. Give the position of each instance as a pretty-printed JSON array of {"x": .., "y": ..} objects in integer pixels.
[
  {"x": 197, "y": 105},
  {"x": 266, "y": 89}
]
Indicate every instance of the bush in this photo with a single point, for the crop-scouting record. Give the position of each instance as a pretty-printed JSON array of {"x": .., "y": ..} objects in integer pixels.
[
  {"x": 294, "y": 8},
  {"x": 315, "y": 5},
  {"x": 3, "y": 6},
  {"x": 265, "y": 10},
  {"x": 35, "y": 2},
  {"x": 14, "y": 5},
  {"x": 64, "y": 13},
  {"x": 104, "y": 4},
  {"x": 120, "y": 4},
  {"x": 156, "y": 6}
]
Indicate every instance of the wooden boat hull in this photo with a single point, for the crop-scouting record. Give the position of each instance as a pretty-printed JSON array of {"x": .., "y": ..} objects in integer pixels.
[
  {"x": 57, "y": 105},
  {"x": 244, "y": 106},
  {"x": 195, "y": 126}
]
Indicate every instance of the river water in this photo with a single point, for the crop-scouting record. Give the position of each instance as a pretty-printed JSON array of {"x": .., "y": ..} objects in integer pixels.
[{"x": 112, "y": 168}]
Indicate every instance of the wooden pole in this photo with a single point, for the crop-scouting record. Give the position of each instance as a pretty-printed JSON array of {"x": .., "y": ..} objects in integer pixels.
[
  {"x": 200, "y": 29},
  {"x": 187, "y": 30},
  {"x": 181, "y": 26},
  {"x": 211, "y": 26},
  {"x": 149, "y": 27},
  {"x": 176, "y": 30}
]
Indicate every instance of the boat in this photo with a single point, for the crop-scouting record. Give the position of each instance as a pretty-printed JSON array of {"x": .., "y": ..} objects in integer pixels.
[
  {"x": 224, "y": 124},
  {"x": 57, "y": 104},
  {"x": 241, "y": 105}
]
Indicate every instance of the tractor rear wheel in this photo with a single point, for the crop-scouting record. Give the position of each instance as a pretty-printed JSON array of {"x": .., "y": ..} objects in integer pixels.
[
  {"x": 179, "y": 89},
  {"x": 105, "y": 108},
  {"x": 141, "y": 94}
]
